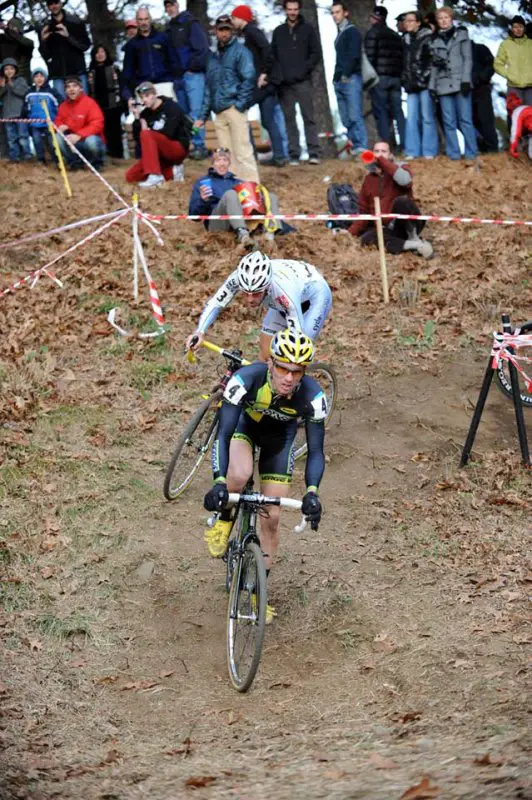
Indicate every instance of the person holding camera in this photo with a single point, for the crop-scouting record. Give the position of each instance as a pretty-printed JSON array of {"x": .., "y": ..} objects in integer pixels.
[
  {"x": 63, "y": 42},
  {"x": 451, "y": 83}
]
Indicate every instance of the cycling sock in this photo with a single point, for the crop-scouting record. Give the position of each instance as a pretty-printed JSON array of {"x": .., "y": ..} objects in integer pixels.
[{"x": 225, "y": 515}]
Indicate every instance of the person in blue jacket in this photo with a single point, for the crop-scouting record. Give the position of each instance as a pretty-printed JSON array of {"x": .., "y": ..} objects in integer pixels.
[
  {"x": 229, "y": 90},
  {"x": 40, "y": 92},
  {"x": 191, "y": 44},
  {"x": 148, "y": 56}
]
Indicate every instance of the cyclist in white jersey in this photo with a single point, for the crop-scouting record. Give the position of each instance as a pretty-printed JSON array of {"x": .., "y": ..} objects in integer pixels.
[{"x": 293, "y": 292}]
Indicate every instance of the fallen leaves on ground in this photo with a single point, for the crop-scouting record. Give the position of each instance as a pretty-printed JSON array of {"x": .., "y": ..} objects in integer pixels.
[
  {"x": 199, "y": 781},
  {"x": 421, "y": 791}
]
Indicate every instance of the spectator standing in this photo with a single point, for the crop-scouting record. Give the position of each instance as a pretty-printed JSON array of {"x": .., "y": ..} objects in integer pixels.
[
  {"x": 400, "y": 24},
  {"x": 296, "y": 50},
  {"x": 347, "y": 78},
  {"x": 148, "y": 56},
  {"x": 13, "y": 93},
  {"x": 14, "y": 45},
  {"x": 131, "y": 29},
  {"x": 514, "y": 61},
  {"x": 267, "y": 78},
  {"x": 40, "y": 92},
  {"x": 164, "y": 133},
  {"x": 229, "y": 93},
  {"x": 104, "y": 83},
  {"x": 392, "y": 183},
  {"x": 80, "y": 119},
  {"x": 63, "y": 42},
  {"x": 451, "y": 81},
  {"x": 483, "y": 116},
  {"x": 384, "y": 48},
  {"x": 191, "y": 45},
  {"x": 421, "y": 137}
]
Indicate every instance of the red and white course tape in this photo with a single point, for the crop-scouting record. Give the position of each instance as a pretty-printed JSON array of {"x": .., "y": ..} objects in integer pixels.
[{"x": 500, "y": 352}]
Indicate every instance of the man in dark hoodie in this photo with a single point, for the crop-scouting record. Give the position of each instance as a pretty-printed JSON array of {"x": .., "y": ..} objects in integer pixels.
[
  {"x": 164, "y": 133},
  {"x": 296, "y": 49},
  {"x": 268, "y": 76},
  {"x": 191, "y": 45},
  {"x": 13, "y": 93},
  {"x": 63, "y": 42}
]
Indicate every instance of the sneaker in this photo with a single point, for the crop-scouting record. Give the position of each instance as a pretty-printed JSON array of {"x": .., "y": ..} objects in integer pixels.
[
  {"x": 269, "y": 236},
  {"x": 243, "y": 238},
  {"x": 270, "y": 610},
  {"x": 429, "y": 158},
  {"x": 315, "y": 161},
  {"x": 178, "y": 173},
  {"x": 151, "y": 181},
  {"x": 425, "y": 249},
  {"x": 294, "y": 162},
  {"x": 217, "y": 537},
  {"x": 410, "y": 158}
]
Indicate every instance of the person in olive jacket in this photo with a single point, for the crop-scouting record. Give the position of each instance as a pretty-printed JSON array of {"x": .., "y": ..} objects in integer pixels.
[
  {"x": 421, "y": 138},
  {"x": 296, "y": 49},
  {"x": 451, "y": 82},
  {"x": 384, "y": 48}
]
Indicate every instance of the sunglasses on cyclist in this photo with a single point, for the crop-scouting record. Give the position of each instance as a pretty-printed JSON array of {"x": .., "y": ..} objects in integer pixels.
[{"x": 283, "y": 369}]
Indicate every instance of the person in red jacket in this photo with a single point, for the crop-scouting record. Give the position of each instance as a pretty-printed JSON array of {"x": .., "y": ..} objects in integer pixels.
[
  {"x": 521, "y": 117},
  {"x": 392, "y": 183},
  {"x": 81, "y": 120}
]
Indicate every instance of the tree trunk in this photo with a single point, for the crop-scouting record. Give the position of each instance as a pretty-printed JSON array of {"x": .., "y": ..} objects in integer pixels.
[
  {"x": 322, "y": 106},
  {"x": 104, "y": 26},
  {"x": 198, "y": 8},
  {"x": 359, "y": 12}
]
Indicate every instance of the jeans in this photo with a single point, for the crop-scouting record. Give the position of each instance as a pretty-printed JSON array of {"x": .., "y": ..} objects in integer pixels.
[
  {"x": 268, "y": 117},
  {"x": 349, "y": 96},
  {"x": 59, "y": 85},
  {"x": 421, "y": 137},
  {"x": 281, "y": 125},
  {"x": 92, "y": 148},
  {"x": 457, "y": 113},
  {"x": 189, "y": 92},
  {"x": 388, "y": 93},
  {"x": 42, "y": 141},
  {"x": 18, "y": 143}
]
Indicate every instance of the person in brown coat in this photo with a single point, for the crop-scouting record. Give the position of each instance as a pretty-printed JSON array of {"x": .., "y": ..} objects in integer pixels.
[{"x": 392, "y": 183}]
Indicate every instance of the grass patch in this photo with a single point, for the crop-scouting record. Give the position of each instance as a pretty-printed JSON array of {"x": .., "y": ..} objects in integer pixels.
[
  {"x": 423, "y": 341},
  {"x": 63, "y": 627},
  {"x": 147, "y": 375}
]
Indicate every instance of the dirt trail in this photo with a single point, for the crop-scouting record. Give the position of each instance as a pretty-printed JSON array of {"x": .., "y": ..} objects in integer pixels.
[{"x": 398, "y": 658}]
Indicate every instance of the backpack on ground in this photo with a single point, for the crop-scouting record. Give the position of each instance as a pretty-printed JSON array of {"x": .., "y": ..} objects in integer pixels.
[{"x": 341, "y": 199}]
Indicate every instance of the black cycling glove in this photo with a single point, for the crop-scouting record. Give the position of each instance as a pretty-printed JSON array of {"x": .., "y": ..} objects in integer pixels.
[
  {"x": 311, "y": 508},
  {"x": 216, "y": 498}
]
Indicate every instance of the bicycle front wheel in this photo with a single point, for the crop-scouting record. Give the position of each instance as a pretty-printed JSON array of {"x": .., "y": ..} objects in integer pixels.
[
  {"x": 502, "y": 373},
  {"x": 190, "y": 451},
  {"x": 326, "y": 377},
  {"x": 246, "y": 617}
]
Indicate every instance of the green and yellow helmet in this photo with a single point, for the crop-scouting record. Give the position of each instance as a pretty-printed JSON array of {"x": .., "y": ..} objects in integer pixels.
[{"x": 292, "y": 347}]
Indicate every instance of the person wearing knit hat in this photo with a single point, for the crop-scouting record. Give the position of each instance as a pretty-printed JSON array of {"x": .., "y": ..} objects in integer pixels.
[
  {"x": 42, "y": 93},
  {"x": 514, "y": 61},
  {"x": 265, "y": 92},
  {"x": 12, "y": 95}
]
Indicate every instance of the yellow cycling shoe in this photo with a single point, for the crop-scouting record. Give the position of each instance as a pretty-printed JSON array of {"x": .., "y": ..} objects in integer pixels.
[
  {"x": 217, "y": 537},
  {"x": 270, "y": 610}
]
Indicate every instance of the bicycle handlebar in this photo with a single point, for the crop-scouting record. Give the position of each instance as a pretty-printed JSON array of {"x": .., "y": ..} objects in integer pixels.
[
  {"x": 263, "y": 500},
  {"x": 216, "y": 349}
]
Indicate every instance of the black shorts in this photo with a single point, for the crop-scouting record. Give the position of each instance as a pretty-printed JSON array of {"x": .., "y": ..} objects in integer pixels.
[{"x": 276, "y": 443}]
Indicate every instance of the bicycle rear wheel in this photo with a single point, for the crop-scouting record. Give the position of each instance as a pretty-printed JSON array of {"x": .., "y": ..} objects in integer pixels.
[
  {"x": 326, "y": 377},
  {"x": 502, "y": 373},
  {"x": 246, "y": 617},
  {"x": 190, "y": 451}
]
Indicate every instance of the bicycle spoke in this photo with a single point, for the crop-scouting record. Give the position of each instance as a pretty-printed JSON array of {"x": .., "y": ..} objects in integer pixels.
[{"x": 194, "y": 443}]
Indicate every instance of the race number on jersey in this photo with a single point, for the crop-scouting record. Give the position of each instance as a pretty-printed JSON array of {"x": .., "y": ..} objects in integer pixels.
[
  {"x": 235, "y": 390},
  {"x": 319, "y": 404}
]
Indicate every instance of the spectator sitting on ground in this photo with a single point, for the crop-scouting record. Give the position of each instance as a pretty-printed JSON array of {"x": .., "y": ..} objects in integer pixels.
[
  {"x": 148, "y": 56},
  {"x": 521, "y": 118},
  {"x": 514, "y": 61},
  {"x": 80, "y": 119},
  {"x": 40, "y": 92},
  {"x": 297, "y": 51},
  {"x": 392, "y": 183},
  {"x": 164, "y": 133},
  {"x": 268, "y": 76},
  {"x": 63, "y": 42},
  {"x": 191, "y": 45},
  {"x": 229, "y": 93},
  {"x": 215, "y": 193},
  {"x": 104, "y": 83},
  {"x": 384, "y": 48},
  {"x": 13, "y": 93},
  {"x": 14, "y": 45}
]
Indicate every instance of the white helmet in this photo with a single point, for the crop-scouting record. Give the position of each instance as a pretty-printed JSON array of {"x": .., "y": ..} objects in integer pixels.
[{"x": 254, "y": 272}]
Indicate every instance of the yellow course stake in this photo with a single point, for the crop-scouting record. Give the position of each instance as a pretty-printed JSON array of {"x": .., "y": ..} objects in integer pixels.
[{"x": 57, "y": 149}]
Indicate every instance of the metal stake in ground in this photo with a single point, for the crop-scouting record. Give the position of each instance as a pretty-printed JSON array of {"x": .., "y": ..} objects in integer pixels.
[{"x": 382, "y": 251}]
